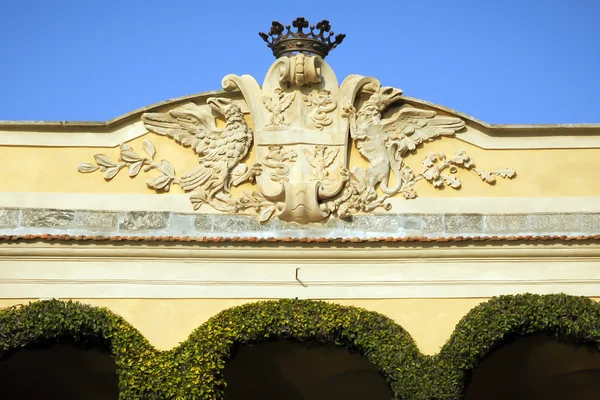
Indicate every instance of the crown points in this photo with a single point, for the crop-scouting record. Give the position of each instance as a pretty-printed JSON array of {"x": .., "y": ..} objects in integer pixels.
[{"x": 319, "y": 40}]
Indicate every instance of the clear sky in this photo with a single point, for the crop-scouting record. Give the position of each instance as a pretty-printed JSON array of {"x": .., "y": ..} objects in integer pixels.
[{"x": 511, "y": 61}]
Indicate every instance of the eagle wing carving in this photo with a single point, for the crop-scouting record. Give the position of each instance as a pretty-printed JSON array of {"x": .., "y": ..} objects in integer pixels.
[
  {"x": 411, "y": 127},
  {"x": 189, "y": 125},
  {"x": 384, "y": 142},
  {"x": 219, "y": 151}
]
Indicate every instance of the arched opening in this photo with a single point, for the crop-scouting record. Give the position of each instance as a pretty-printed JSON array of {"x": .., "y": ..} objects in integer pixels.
[
  {"x": 292, "y": 370},
  {"x": 58, "y": 371},
  {"x": 537, "y": 367}
]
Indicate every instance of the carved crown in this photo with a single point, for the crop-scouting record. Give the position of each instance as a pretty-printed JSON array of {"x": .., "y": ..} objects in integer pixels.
[{"x": 320, "y": 40}]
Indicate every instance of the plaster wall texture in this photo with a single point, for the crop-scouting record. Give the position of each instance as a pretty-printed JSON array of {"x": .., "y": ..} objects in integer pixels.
[{"x": 540, "y": 172}]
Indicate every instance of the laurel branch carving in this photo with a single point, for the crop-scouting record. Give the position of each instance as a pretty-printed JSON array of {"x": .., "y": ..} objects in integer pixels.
[{"x": 134, "y": 163}]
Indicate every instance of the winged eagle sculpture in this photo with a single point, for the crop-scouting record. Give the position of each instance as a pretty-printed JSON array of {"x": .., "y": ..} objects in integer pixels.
[
  {"x": 300, "y": 140},
  {"x": 219, "y": 151}
]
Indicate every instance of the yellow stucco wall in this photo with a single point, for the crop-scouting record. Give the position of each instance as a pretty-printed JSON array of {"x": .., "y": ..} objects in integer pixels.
[
  {"x": 166, "y": 323},
  {"x": 557, "y": 172}
]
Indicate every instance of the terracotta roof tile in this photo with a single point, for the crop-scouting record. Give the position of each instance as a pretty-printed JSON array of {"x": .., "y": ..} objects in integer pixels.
[{"x": 216, "y": 239}]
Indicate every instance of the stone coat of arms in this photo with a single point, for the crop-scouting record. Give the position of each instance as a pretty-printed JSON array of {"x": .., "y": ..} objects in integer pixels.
[{"x": 304, "y": 123}]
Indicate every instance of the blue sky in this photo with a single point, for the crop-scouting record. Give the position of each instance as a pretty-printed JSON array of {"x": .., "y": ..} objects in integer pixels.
[{"x": 528, "y": 61}]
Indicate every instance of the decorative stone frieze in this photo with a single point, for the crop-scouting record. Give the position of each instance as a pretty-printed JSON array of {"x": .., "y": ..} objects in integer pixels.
[{"x": 304, "y": 124}]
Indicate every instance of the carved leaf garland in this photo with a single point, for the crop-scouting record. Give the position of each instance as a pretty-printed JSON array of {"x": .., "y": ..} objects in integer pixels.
[
  {"x": 104, "y": 161},
  {"x": 266, "y": 214},
  {"x": 134, "y": 168},
  {"x": 86, "y": 168},
  {"x": 129, "y": 158},
  {"x": 149, "y": 148},
  {"x": 163, "y": 182}
]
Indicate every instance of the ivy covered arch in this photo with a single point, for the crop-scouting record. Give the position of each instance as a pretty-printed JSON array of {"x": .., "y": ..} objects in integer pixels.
[
  {"x": 194, "y": 369},
  {"x": 374, "y": 336},
  {"x": 55, "y": 321},
  {"x": 502, "y": 319}
]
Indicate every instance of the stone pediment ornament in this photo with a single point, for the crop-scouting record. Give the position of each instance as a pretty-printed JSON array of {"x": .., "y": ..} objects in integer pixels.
[{"x": 303, "y": 126}]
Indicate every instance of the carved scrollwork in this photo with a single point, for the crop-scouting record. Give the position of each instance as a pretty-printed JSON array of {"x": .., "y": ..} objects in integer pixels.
[{"x": 298, "y": 70}]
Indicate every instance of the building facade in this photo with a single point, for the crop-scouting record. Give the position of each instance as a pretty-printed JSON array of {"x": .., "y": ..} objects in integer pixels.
[{"x": 185, "y": 235}]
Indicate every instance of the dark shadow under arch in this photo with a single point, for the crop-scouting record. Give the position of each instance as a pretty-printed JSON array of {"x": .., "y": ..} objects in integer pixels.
[
  {"x": 292, "y": 370},
  {"x": 537, "y": 367},
  {"x": 59, "y": 371},
  {"x": 52, "y": 331}
]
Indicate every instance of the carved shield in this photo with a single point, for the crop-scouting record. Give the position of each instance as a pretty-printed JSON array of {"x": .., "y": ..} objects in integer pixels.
[{"x": 300, "y": 135}]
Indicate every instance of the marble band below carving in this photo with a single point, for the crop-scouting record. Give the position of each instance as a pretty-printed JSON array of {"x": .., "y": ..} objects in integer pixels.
[{"x": 61, "y": 221}]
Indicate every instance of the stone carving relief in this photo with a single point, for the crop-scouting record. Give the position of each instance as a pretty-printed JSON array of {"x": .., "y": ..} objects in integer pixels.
[
  {"x": 277, "y": 104},
  {"x": 304, "y": 123},
  {"x": 279, "y": 159},
  {"x": 323, "y": 104},
  {"x": 134, "y": 163},
  {"x": 320, "y": 159},
  {"x": 385, "y": 142}
]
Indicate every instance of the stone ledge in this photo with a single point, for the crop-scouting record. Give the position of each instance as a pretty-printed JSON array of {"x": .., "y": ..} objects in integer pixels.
[
  {"x": 144, "y": 221},
  {"x": 9, "y": 218},
  {"x": 590, "y": 222},
  {"x": 510, "y": 223},
  {"x": 555, "y": 222},
  {"x": 56, "y": 221},
  {"x": 96, "y": 220},
  {"x": 45, "y": 218},
  {"x": 228, "y": 224},
  {"x": 463, "y": 223}
]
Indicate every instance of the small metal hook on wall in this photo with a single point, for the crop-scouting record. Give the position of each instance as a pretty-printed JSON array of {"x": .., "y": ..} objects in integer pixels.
[{"x": 298, "y": 278}]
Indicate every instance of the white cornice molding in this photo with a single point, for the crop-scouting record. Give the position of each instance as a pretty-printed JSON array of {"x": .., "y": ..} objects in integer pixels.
[
  {"x": 91, "y": 134},
  {"x": 336, "y": 271},
  {"x": 128, "y": 126}
]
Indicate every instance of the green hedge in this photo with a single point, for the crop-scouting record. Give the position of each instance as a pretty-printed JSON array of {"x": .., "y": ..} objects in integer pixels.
[{"x": 194, "y": 370}]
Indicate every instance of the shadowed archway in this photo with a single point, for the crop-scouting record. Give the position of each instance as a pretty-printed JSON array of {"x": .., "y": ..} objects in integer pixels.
[
  {"x": 59, "y": 371},
  {"x": 70, "y": 350},
  {"x": 537, "y": 368},
  {"x": 292, "y": 370}
]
